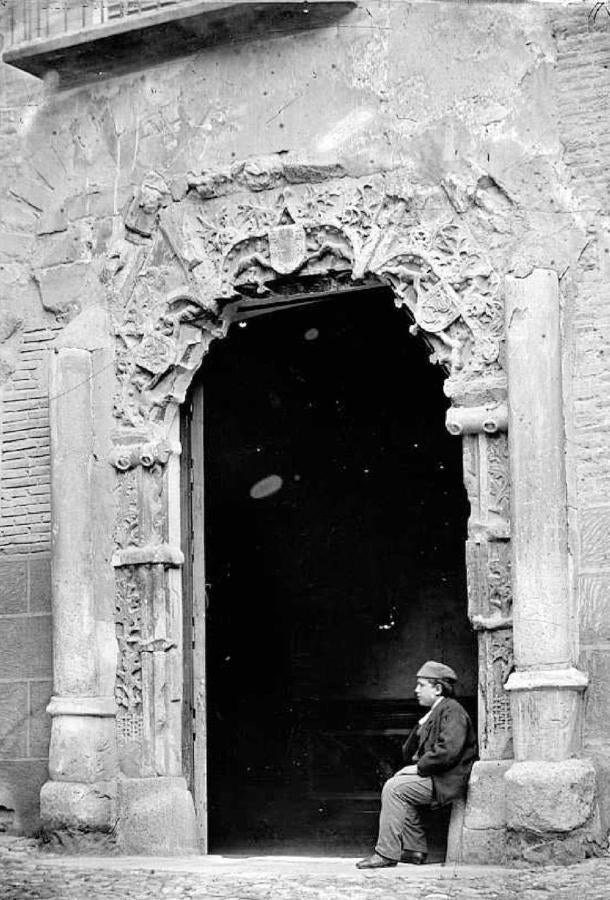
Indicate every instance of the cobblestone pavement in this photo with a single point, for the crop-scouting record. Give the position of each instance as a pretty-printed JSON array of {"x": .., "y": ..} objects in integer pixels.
[{"x": 26, "y": 874}]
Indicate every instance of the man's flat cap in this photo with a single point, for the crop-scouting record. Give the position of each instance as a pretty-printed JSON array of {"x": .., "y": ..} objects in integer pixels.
[{"x": 440, "y": 671}]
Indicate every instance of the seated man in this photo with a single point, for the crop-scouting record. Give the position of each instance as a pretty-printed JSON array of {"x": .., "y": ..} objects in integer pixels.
[{"x": 440, "y": 752}]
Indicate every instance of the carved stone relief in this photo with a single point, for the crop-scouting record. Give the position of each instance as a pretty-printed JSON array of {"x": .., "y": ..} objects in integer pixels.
[
  {"x": 495, "y": 665},
  {"x": 128, "y": 684},
  {"x": 488, "y": 567},
  {"x": 188, "y": 260},
  {"x": 175, "y": 295},
  {"x": 499, "y": 478},
  {"x": 148, "y": 630}
]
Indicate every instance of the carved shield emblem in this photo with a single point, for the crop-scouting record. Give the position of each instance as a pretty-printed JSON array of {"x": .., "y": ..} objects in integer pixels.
[
  {"x": 155, "y": 353},
  {"x": 287, "y": 248},
  {"x": 435, "y": 308}
]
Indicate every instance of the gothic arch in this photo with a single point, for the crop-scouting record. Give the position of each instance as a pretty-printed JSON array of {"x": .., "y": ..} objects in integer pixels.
[
  {"x": 192, "y": 252},
  {"x": 185, "y": 262}
]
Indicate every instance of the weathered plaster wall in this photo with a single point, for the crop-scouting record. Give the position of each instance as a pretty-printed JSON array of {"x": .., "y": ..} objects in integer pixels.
[{"x": 502, "y": 104}]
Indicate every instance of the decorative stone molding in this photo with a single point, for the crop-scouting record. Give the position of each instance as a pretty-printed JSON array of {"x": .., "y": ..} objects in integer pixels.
[
  {"x": 163, "y": 554},
  {"x": 142, "y": 213},
  {"x": 127, "y": 457},
  {"x": 571, "y": 679},
  {"x": 198, "y": 253},
  {"x": 477, "y": 419},
  {"x": 208, "y": 255},
  {"x": 488, "y": 568},
  {"x": 82, "y": 706}
]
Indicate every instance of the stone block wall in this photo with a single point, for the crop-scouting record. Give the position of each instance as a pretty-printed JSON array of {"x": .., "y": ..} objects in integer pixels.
[{"x": 25, "y": 685}]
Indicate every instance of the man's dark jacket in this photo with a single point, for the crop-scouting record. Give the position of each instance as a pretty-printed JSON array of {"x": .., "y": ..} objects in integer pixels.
[{"x": 444, "y": 748}]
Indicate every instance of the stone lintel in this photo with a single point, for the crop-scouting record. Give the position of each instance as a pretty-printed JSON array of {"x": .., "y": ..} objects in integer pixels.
[
  {"x": 568, "y": 678},
  {"x": 82, "y": 706},
  {"x": 155, "y": 554},
  {"x": 477, "y": 419}
]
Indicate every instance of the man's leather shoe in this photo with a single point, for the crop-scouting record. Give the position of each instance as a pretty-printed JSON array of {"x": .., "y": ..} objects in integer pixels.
[
  {"x": 375, "y": 861},
  {"x": 416, "y": 857}
]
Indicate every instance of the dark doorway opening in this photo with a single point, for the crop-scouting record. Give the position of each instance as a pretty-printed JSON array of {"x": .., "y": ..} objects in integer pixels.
[{"x": 335, "y": 524}]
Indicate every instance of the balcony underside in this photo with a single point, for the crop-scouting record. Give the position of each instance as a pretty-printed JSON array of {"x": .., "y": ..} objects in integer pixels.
[{"x": 139, "y": 41}]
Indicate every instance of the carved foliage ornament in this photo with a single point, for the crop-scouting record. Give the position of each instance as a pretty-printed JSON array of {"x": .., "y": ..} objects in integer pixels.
[
  {"x": 175, "y": 295},
  {"x": 128, "y": 684},
  {"x": 495, "y": 665}
]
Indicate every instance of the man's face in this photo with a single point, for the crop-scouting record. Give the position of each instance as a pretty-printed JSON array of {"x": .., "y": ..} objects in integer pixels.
[{"x": 426, "y": 691}]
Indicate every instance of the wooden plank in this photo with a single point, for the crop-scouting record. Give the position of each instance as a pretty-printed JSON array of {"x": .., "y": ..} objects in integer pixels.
[{"x": 199, "y": 616}]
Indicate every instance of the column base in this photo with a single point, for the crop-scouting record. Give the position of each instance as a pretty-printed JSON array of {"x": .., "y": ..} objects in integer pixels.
[
  {"x": 479, "y": 835},
  {"x": 546, "y": 708},
  {"x": 156, "y": 817},
  {"x": 79, "y": 817},
  {"x": 551, "y": 811}
]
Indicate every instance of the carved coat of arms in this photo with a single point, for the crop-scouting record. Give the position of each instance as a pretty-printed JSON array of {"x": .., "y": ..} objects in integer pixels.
[{"x": 287, "y": 248}]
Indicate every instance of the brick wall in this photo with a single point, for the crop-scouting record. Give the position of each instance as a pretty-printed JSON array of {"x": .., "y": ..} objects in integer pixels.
[{"x": 25, "y": 501}]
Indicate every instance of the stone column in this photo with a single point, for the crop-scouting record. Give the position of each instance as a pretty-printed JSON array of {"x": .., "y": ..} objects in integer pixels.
[
  {"x": 550, "y": 792},
  {"x": 479, "y": 834},
  {"x": 80, "y": 796}
]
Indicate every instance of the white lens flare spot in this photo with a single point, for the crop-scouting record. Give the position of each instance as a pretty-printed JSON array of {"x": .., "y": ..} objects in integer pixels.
[
  {"x": 266, "y": 487},
  {"x": 311, "y": 334}
]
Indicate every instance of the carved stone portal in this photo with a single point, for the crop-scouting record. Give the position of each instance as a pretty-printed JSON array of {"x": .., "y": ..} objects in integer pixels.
[{"x": 189, "y": 258}]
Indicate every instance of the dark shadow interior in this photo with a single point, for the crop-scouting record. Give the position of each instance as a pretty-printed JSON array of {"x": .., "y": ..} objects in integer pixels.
[{"x": 335, "y": 526}]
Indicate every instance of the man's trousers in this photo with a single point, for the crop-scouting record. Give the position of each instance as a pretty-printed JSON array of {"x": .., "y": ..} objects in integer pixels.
[{"x": 400, "y": 826}]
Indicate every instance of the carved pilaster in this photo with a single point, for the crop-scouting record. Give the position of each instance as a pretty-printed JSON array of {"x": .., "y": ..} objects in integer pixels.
[
  {"x": 148, "y": 686},
  {"x": 487, "y": 481}
]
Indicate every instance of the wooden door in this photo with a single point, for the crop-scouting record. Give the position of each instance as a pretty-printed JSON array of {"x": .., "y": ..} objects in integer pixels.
[{"x": 194, "y": 726}]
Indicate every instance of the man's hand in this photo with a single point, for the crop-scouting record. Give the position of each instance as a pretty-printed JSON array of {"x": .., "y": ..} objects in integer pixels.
[{"x": 408, "y": 770}]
